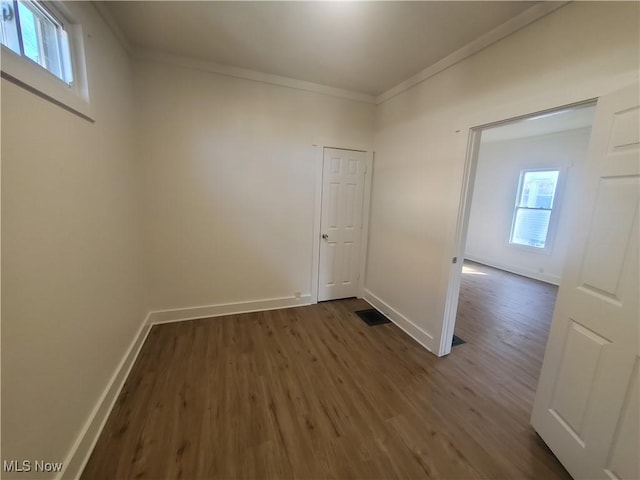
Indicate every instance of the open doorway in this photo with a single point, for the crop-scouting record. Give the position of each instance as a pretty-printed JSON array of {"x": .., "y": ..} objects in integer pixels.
[{"x": 523, "y": 176}]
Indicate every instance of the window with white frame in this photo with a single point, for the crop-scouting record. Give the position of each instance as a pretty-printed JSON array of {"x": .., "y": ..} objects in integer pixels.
[
  {"x": 31, "y": 29},
  {"x": 534, "y": 206},
  {"x": 43, "y": 51}
]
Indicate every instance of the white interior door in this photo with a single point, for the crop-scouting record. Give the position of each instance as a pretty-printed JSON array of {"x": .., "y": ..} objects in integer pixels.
[
  {"x": 586, "y": 406},
  {"x": 343, "y": 174}
]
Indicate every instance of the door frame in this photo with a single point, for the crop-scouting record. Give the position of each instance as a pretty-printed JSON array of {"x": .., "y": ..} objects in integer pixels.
[
  {"x": 317, "y": 215},
  {"x": 464, "y": 210}
]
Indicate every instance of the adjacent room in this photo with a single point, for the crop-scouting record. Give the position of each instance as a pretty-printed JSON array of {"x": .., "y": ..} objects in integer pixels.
[
  {"x": 527, "y": 174},
  {"x": 237, "y": 238}
]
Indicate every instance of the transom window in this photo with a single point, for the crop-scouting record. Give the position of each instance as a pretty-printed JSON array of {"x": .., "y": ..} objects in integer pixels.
[
  {"x": 31, "y": 29},
  {"x": 534, "y": 205}
]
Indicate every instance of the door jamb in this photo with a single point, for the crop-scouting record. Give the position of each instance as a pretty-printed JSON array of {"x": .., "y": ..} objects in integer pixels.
[
  {"x": 366, "y": 207},
  {"x": 464, "y": 210},
  {"x": 460, "y": 239}
]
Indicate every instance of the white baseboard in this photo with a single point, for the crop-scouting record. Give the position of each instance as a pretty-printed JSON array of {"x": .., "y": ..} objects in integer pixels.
[
  {"x": 79, "y": 454},
  {"x": 194, "y": 313},
  {"x": 419, "y": 335},
  {"x": 525, "y": 272}
]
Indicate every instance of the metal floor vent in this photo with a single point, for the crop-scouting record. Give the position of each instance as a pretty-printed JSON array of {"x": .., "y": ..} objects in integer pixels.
[{"x": 372, "y": 317}]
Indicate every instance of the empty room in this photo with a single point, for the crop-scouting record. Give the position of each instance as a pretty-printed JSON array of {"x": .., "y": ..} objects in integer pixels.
[
  {"x": 233, "y": 239},
  {"x": 527, "y": 174}
]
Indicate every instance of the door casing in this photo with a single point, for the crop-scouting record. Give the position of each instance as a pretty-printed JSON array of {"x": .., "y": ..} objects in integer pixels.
[
  {"x": 464, "y": 210},
  {"x": 366, "y": 205}
]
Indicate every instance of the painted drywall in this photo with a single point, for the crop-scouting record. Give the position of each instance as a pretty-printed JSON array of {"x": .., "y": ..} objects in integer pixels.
[
  {"x": 494, "y": 195},
  {"x": 72, "y": 296},
  {"x": 229, "y": 182},
  {"x": 225, "y": 174},
  {"x": 421, "y": 140}
]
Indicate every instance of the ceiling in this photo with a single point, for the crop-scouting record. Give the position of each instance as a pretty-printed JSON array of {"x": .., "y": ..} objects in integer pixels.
[
  {"x": 366, "y": 47},
  {"x": 543, "y": 124}
]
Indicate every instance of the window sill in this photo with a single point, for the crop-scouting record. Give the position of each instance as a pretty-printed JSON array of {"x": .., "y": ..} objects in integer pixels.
[
  {"x": 30, "y": 76},
  {"x": 526, "y": 248}
]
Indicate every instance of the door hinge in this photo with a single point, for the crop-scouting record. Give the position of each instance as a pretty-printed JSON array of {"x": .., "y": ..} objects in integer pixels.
[{"x": 454, "y": 260}]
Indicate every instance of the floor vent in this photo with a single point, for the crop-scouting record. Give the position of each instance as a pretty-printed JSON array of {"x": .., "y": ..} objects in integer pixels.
[
  {"x": 372, "y": 317},
  {"x": 457, "y": 341}
]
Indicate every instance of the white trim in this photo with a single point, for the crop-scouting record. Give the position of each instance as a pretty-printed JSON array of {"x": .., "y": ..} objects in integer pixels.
[
  {"x": 554, "y": 215},
  {"x": 525, "y": 272},
  {"x": 464, "y": 208},
  {"x": 460, "y": 240},
  {"x": 107, "y": 16},
  {"x": 366, "y": 216},
  {"x": 423, "y": 338},
  {"x": 246, "y": 74},
  {"x": 317, "y": 224},
  {"x": 317, "y": 221},
  {"x": 194, "y": 313},
  {"x": 81, "y": 450},
  {"x": 510, "y": 26},
  {"x": 36, "y": 79}
]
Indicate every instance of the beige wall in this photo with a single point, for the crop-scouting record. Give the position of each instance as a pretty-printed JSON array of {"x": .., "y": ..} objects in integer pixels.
[
  {"x": 224, "y": 173},
  {"x": 581, "y": 51},
  {"x": 71, "y": 270},
  {"x": 494, "y": 195},
  {"x": 229, "y": 182}
]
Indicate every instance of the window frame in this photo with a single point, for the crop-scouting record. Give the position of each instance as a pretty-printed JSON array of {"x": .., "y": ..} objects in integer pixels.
[
  {"x": 30, "y": 75},
  {"x": 553, "y": 215}
]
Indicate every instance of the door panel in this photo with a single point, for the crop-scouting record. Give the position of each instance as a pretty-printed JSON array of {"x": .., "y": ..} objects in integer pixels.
[
  {"x": 611, "y": 232},
  {"x": 623, "y": 459},
  {"x": 341, "y": 223},
  {"x": 586, "y": 406},
  {"x": 582, "y": 352}
]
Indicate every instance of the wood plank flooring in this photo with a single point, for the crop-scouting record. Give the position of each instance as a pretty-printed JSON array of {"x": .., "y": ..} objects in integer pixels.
[{"x": 313, "y": 392}]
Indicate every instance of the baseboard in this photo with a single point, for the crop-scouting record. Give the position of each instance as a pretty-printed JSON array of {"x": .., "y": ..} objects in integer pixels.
[
  {"x": 525, "y": 272},
  {"x": 423, "y": 338},
  {"x": 194, "y": 313},
  {"x": 79, "y": 454}
]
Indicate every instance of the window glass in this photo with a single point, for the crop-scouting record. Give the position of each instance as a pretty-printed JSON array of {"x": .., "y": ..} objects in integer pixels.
[
  {"x": 534, "y": 204},
  {"x": 9, "y": 27},
  {"x": 31, "y": 31}
]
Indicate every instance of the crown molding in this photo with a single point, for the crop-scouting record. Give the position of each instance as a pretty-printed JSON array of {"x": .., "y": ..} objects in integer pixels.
[
  {"x": 246, "y": 74},
  {"x": 108, "y": 18},
  {"x": 504, "y": 30}
]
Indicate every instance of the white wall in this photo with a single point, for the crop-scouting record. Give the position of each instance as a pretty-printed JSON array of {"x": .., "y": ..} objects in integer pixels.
[
  {"x": 229, "y": 182},
  {"x": 494, "y": 195},
  {"x": 71, "y": 269},
  {"x": 421, "y": 139}
]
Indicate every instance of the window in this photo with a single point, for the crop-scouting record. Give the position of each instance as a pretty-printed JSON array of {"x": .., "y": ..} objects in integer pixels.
[
  {"x": 43, "y": 51},
  {"x": 534, "y": 204},
  {"x": 31, "y": 30}
]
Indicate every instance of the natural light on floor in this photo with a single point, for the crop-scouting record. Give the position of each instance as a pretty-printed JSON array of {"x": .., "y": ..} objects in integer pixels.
[{"x": 471, "y": 271}]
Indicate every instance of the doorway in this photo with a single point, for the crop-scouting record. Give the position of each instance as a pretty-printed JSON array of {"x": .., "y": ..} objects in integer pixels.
[
  {"x": 344, "y": 182},
  {"x": 521, "y": 179}
]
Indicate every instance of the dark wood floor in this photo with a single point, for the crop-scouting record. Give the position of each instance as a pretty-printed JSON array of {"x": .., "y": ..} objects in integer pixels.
[{"x": 313, "y": 392}]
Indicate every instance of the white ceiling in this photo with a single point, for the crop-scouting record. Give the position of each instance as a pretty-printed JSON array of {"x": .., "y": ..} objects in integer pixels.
[
  {"x": 552, "y": 122},
  {"x": 366, "y": 47}
]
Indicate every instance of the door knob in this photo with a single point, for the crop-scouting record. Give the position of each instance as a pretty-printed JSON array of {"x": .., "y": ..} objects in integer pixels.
[{"x": 325, "y": 236}]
